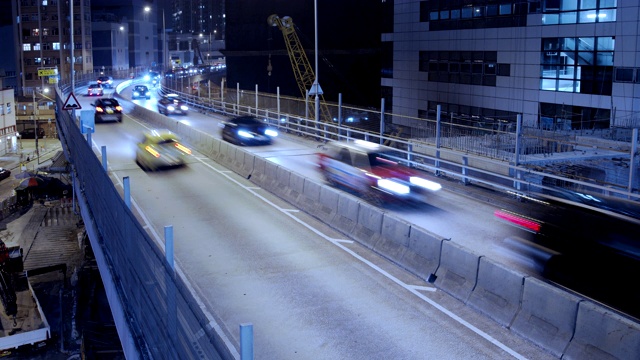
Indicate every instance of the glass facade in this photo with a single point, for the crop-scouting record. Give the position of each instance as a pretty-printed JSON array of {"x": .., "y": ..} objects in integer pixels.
[
  {"x": 463, "y": 67},
  {"x": 458, "y": 14},
  {"x": 556, "y": 12},
  {"x": 580, "y": 65}
]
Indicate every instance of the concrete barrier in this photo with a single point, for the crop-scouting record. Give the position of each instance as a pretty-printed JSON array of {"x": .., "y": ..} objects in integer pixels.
[
  {"x": 346, "y": 216},
  {"x": 547, "y": 316},
  {"x": 394, "y": 238},
  {"x": 281, "y": 185},
  {"x": 423, "y": 254},
  {"x": 368, "y": 226},
  {"x": 259, "y": 175},
  {"x": 296, "y": 188},
  {"x": 326, "y": 207},
  {"x": 226, "y": 154},
  {"x": 243, "y": 162},
  {"x": 458, "y": 270},
  {"x": 309, "y": 198},
  {"x": 498, "y": 292},
  {"x": 602, "y": 334}
]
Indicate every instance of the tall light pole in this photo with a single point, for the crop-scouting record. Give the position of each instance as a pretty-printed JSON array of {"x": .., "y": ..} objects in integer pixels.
[
  {"x": 315, "y": 88},
  {"x": 164, "y": 43}
]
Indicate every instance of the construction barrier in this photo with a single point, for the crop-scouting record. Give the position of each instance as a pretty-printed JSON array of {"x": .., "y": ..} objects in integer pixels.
[
  {"x": 547, "y": 317},
  {"x": 603, "y": 334},
  {"x": 498, "y": 292}
]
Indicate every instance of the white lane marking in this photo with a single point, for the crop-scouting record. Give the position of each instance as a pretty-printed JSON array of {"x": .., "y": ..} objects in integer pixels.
[
  {"x": 291, "y": 210},
  {"x": 158, "y": 239},
  {"x": 342, "y": 241},
  {"x": 338, "y": 243},
  {"x": 407, "y": 287},
  {"x": 422, "y": 288}
]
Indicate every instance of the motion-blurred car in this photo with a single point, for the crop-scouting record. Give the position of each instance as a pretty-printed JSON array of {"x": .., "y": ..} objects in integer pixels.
[
  {"x": 160, "y": 149},
  {"x": 247, "y": 130},
  {"x": 107, "y": 109},
  {"x": 172, "y": 104},
  {"x": 106, "y": 81},
  {"x": 586, "y": 242},
  {"x": 373, "y": 173},
  {"x": 140, "y": 91},
  {"x": 4, "y": 173},
  {"x": 95, "y": 90},
  {"x": 31, "y": 134}
]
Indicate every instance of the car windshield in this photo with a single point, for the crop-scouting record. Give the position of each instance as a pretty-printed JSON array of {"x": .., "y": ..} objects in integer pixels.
[
  {"x": 246, "y": 121},
  {"x": 94, "y": 86},
  {"x": 109, "y": 102},
  {"x": 167, "y": 141},
  {"x": 141, "y": 88}
]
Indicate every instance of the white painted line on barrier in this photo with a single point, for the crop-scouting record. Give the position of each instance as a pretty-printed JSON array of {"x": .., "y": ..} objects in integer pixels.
[{"x": 291, "y": 210}]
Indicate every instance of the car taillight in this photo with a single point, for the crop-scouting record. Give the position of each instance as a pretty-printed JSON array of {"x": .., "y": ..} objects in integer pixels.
[
  {"x": 519, "y": 220},
  {"x": 183, "y": 148},
  {"x": 99, "y": 109},
  {"x": 152, "y": 151},
  {"x": 119, "y": 108}
]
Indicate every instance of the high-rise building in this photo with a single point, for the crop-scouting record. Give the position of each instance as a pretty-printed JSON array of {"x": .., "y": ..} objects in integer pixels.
[
  {"x": 561, "y": 64},
  {"x": 43, "y": 36}
]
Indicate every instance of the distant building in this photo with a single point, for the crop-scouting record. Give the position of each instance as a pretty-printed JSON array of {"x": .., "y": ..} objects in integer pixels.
[
  {"x": 561, "y": 64},
  {"x": 42, "y": 35},
  {"x": 110, "y": 44},
  {"x": 8, "y": 140}
]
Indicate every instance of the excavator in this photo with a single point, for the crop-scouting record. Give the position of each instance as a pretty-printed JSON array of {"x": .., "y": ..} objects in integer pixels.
[{"x": 302, "y": 69}]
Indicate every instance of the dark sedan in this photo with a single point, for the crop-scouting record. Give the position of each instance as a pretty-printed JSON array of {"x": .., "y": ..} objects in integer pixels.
[
  {"x": 247, "y": 130},
  {"x": 172, "y": 104},
  {"x": 107, "y": 109},
  {"x": 587, "y": 242},
  {"x": 140, "y": 91}
]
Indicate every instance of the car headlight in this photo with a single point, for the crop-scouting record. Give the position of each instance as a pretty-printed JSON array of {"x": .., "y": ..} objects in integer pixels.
[
  {"x": 183, "y": 107},
  {"x": 394, "y": 187},
  {"x": 147, "y": 78},
  {"x": 171, "y": 108},
  {"x": 270, "y": 132},
  {"x": 424, "y": 183},
  {"x": 245, "y": 134},
  {"x": 135, "y": 93}
]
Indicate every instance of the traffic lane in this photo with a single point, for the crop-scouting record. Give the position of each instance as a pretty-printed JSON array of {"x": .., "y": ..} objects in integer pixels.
[
  {"x": 249, "y": 260},
  {"x": 450, "y": 215},
  {"x": 306, "y": 297}
]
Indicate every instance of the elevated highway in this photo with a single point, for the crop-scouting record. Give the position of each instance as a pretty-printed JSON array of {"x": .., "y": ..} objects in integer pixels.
[{"x": 247, "y": 255}]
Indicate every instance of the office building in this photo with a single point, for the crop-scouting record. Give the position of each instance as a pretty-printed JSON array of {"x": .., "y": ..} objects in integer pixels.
[
  {"x": 43, "y": 36},
  {"x": 562, "y": 64}
]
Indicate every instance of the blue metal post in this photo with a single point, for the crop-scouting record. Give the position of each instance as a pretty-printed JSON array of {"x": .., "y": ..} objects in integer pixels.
[
  {"x": 381, "y": 121},
  {"x": 246, "y": 341},
  {"x": 127, "y": 191},
  {"x": 105, "y": 166},
  {"x": 168, "y": 245}
]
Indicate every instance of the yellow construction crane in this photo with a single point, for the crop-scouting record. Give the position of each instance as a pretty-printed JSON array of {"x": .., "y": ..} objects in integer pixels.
[{"x": 301, "y": 67}]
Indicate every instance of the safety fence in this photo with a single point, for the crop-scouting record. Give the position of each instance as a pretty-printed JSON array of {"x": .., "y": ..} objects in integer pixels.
[{"x": 164, "y": 319}]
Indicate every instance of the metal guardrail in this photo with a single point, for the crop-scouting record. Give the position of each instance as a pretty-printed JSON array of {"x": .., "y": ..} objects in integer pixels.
[
  {"x": 441, "y": 152},
  {"x": 165, "y": 320}
]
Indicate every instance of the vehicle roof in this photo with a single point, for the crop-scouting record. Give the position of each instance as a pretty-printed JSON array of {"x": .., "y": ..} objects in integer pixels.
[
  {"x": 246, "y": 120},
  {"x": 161, "y": 134},
  {"x": 358, "y": 145},
  {"x": 141, "y": 86},
  {"x": 108, "y": 100},
  {"x": 95, "y": 85}
]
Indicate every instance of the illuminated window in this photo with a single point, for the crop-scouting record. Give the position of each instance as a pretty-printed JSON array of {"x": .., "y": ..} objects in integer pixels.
[
  {"x": 35, "y": 32},
  {"x": 581, "y": 65},
  {"x": 56, "y": 46},
  {"x": 26, "y": 47},
  {"x": 36, "y": 47},
  {"x": 578, "y": 11}
]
